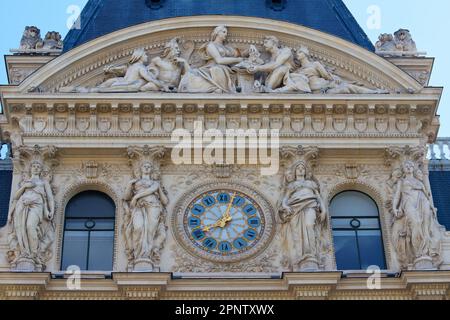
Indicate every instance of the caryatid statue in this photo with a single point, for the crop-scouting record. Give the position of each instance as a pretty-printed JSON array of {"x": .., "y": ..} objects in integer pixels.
[
  {"x": 144, "y": 204},
  {"x": 303, "y": 216},
  {"x": 416, "y": 232},
  {"x": 31, "y": 214}
]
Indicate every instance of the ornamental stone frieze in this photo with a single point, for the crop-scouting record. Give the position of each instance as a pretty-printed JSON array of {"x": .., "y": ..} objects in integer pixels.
[{"x": 312, "y": 118}]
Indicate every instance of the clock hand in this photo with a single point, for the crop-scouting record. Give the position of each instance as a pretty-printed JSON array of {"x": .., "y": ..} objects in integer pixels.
[
  {"x": 225, "y": 218},
  {"x": 215, "y": 225}
]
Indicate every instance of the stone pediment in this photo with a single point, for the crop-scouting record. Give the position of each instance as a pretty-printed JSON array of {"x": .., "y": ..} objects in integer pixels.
[{"x": 85, "y": 66}]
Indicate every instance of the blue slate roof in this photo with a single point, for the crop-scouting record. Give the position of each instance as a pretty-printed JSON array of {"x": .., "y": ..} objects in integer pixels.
[
  {"x": 5, "y": 192},
  {"x": 440, "y": 187},
  {"x": 100, "y": 17}
]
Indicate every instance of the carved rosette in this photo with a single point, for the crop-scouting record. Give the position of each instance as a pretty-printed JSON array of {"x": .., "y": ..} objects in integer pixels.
[{"x": 31, "y": 216}]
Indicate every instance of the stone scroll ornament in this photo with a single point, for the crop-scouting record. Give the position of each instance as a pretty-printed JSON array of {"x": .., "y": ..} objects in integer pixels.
[
  {"x": 31, "y": 216},
  {"x": 302, "y": 213},
  {"x": 225, "y": 69},
  {"x": 416, "y": 232},
  {"x": 144, "y": 204}
]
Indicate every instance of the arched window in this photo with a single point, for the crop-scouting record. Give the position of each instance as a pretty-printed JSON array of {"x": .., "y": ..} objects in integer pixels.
[
  {"x": 89, "y": 232},
  {"x": 357, "y": 233}
]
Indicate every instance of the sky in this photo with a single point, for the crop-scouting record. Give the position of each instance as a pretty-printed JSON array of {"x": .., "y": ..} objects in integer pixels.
[{"x": 427, "y": 20}]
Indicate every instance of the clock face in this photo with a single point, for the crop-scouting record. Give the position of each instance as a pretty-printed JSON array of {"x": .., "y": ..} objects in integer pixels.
[{"x": 224, "y": 224}]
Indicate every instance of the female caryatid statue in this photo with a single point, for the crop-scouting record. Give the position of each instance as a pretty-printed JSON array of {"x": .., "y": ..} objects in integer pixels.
[
  {"x": 216, "y": 76},
  {"x": 416, "y": 231},
  {"x": 144, "y": 228},
  {"x": 303, "y": 216},
  {"x": 30, "y": 218}
]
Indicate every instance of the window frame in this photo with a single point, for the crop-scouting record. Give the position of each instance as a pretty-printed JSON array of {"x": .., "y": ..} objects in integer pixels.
[
  {"x": 356, "y": 229},
  {"x": 88, "y": 231}
]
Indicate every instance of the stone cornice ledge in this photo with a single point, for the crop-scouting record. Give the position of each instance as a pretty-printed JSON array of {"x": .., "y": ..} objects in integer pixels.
[{"x": 427, "y": 93}]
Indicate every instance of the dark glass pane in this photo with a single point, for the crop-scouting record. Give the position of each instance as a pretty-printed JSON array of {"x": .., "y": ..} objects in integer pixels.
[
  {"x": 104, "y": 224},
  {"x": 90, "y": 224},
  {"x": 75, "y": 249},
  {"x": 346, "y": 250},
  {"x": 371, "y": 249},
  {"x": 353, "y": 203},
  {"x": 341, "y": 223},
  {"x": 76, "y": 224},
  {"x": 92, "y": 212},
  {"x": 101, "y": 250},
  {"x": 92, "y": 204},
  {"x": 370, "y": 223}
]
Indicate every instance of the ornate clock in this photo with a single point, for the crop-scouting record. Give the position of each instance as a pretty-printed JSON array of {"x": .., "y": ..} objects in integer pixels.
[{"x": 224, "y": 222}]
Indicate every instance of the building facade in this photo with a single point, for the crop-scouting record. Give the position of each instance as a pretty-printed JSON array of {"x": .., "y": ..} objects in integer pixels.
[{"x": 302, "y": 172}]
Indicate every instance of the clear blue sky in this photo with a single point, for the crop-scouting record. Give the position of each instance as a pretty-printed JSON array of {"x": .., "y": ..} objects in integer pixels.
[{"x": 427, "y": 20}]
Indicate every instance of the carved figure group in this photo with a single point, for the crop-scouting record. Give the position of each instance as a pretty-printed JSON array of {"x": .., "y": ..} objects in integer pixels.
[
  {"x": 226, "y": 69},
  {"x": 401, "y": 43},
  {"x": 31, "y": 40}
]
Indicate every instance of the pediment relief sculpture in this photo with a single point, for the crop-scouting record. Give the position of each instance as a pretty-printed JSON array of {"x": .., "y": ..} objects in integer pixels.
[{"x": 218, "y": 67}]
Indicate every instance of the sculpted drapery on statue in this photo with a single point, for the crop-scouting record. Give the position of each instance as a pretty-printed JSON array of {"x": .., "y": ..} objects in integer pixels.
[
  {"x": 416, "y": 231},
  {"x": 216, "y": 76},
  {"x": 144, "y": 204},
  {"x": 32, "y": 211},
  {"x": 225, "y": 69},
  {"x": 303, "y": 216},
  {"x": 313, "y": 77},
  {"x": 162, "y": 74}
]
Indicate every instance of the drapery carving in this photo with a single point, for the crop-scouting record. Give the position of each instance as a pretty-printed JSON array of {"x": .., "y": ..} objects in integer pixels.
[
  {"x": 225, "y": 69},
  {"x": 144, "y": 203},
  {"x": 302, "y": 213},
  {"x": 31, "y": 215},
  {"x": 416, "y": 232}
]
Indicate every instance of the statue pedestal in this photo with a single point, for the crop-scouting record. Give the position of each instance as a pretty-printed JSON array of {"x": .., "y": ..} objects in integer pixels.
[
  {"x": 25, "y": 265},
  {"x": 423, "y": 263},
  {"x": 307, "y": 265},
  {"x": 143, "y": 265}
]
